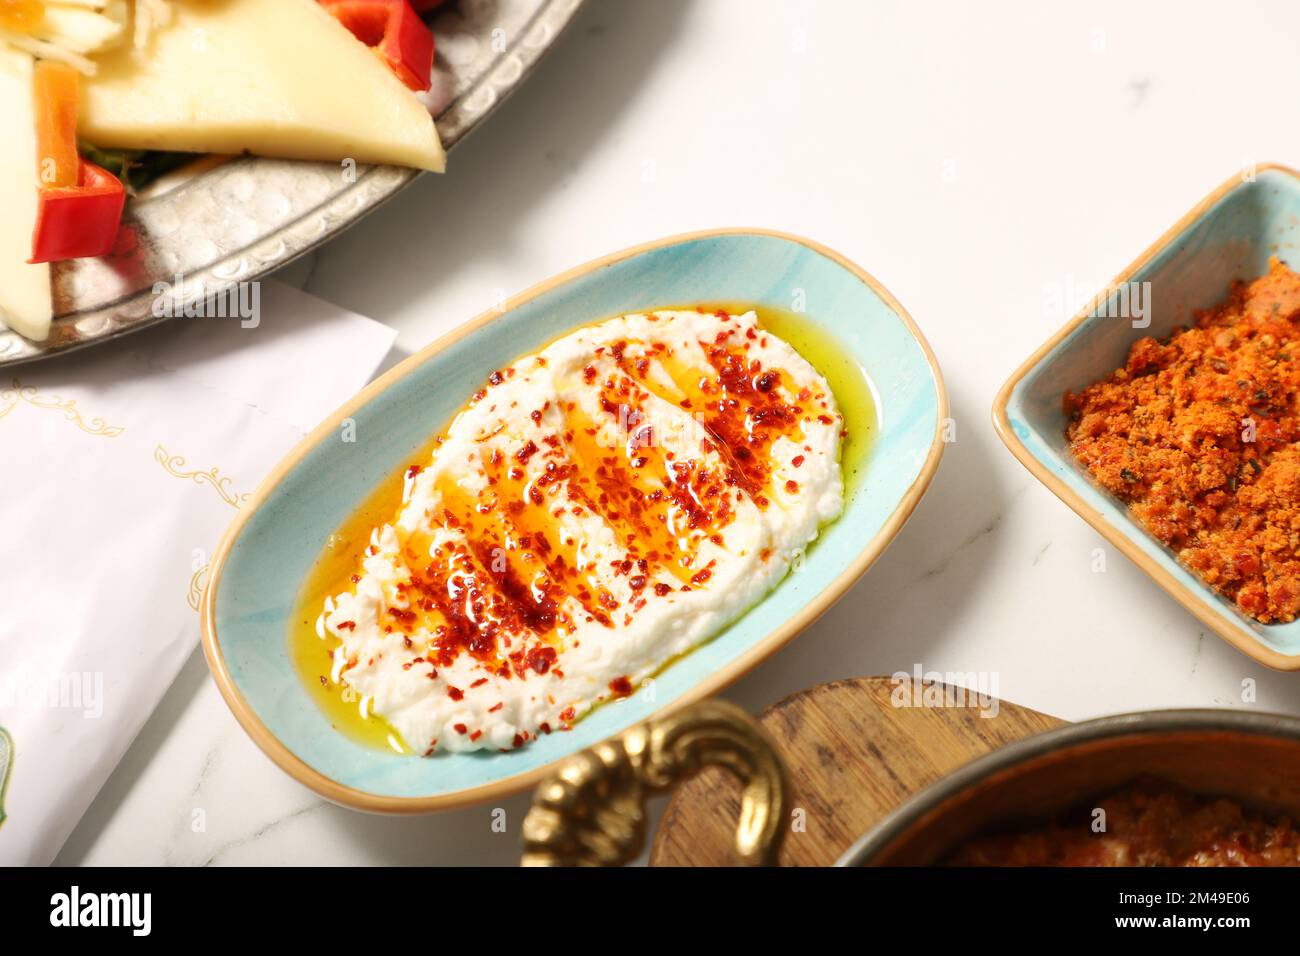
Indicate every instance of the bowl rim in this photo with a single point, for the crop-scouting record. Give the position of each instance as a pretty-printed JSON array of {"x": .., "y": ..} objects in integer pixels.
[
  {"x": 355, "y": 798},
  {"x": 1134, "y": 724},
  {"x": 1198, "y": 604}
]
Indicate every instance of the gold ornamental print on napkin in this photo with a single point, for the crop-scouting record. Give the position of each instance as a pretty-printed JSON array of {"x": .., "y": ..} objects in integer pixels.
[
  {"x": 19, "y": 394},
  {"x": 175, "y": 465}
]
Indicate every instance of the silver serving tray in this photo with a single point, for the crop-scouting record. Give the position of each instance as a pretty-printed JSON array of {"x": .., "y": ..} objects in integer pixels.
[{"x": 217, "y": 223}]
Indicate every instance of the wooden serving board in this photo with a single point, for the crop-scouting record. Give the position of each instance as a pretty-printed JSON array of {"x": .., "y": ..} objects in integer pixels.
[{"x": 851, "y": 756}]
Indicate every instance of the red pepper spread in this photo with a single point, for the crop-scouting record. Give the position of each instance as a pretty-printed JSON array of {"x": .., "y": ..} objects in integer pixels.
[
  {"x": 1149, "y": 823},
  {"x": 1200, "y": 435}
]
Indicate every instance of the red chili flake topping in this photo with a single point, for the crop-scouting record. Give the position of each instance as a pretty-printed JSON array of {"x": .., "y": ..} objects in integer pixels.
[
  {"x": 518, "y": 741},
  {"x": 460, "y": 729},
  {"x": 476, "y": 735},
  {"x": 478, "y": 683},
  {"x": 621, "y": 686},
  {"x": 455, "y": 693},
  {"x": 523, "y": 454},
  {"x": 346, "y": 626},
  {"x": 568, "y": 714},
  {"x": 496, "y": 378},
  {"x": 661, "y": 589},
  {"x": 540, "y": 658},
  {"x": 495, "y": 707},
  {"x": 797, "y": 460},
  {"x": 413, "y": 471},
  {"x": 792, "y": 487},
  {"x": 700, "y": 576}
]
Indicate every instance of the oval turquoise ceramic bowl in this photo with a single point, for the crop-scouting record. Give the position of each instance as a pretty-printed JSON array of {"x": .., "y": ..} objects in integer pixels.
[{"x": 267, "y": 554}]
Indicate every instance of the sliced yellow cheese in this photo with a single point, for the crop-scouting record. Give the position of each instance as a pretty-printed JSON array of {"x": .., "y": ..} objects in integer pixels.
[
  {"x": 24, "y": 289},
  {"x": 270, "y": 77}
]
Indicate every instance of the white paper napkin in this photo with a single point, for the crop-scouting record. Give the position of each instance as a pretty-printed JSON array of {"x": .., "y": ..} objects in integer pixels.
[{"x": 120, "y": 467}]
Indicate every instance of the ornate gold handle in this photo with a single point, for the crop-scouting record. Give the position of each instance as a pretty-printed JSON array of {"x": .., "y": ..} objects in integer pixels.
[{"x": 591, "y": 810}]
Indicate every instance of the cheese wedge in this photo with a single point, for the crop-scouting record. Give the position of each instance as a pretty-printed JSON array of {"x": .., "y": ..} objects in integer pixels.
[
  {"x": 271, "y": 77},
  {"x": 24, "y": 289}
]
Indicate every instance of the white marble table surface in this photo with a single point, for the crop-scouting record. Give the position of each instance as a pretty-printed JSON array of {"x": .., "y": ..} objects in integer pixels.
[{"x": 981, "y": 160}]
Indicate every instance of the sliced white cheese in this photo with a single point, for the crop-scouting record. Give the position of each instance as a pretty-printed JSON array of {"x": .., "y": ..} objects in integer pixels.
[
  {"x": 70, "y": 30},
  {"x": 82, "y": 29},
  {"x": 24, "y": 289},
  {"x": 269, "y": 77}
]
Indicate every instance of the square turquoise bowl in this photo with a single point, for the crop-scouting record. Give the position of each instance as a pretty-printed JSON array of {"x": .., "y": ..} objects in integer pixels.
[
  {"x": 267, "y": 553},
  {"x": 1229, "y": 235}
]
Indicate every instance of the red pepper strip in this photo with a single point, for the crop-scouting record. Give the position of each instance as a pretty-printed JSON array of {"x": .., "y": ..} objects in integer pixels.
[
  {"x": 395, "y": 30},
  {"x": 73, "y": 222}
]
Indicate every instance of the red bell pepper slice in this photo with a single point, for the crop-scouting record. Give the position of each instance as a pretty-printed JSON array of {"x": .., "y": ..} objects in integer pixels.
[
  {"x": 79, "y": 205},
  {"x": 395, "y": 31},
  {"x": 73, "y": 222}
]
